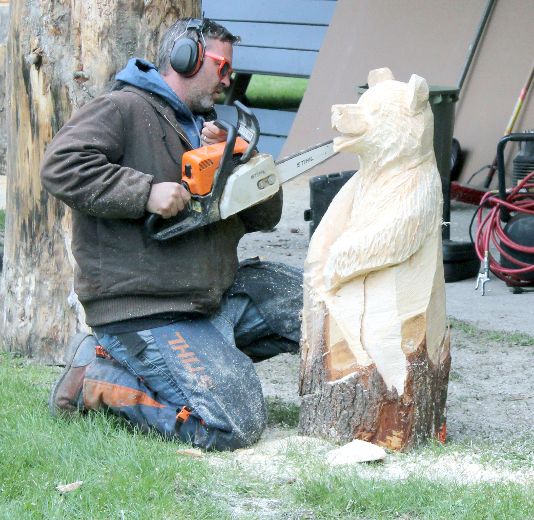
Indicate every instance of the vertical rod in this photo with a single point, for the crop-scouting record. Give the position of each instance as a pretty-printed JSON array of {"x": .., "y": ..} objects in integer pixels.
[{"x": 474, "y": 44}]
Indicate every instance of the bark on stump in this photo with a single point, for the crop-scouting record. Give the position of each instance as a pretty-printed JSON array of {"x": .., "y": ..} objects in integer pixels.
[
  {"x": 375, "y": 346},
  {"x": 59, "y": 55}
]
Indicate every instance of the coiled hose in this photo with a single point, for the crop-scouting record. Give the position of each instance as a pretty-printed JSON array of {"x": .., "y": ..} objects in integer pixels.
[{"x": 490, "y": 231}]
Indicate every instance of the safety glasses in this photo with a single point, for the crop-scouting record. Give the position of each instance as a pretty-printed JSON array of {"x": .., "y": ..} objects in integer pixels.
[{"x": 225, "y": 68}]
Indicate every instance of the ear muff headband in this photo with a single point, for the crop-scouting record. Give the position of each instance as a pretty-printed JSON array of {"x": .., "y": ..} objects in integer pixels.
[{"x": 187, "y": 54}]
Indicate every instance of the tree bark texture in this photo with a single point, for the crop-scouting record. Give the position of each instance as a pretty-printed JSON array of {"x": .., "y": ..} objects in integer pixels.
[
  {"x": 60, "y": 54},
  {"x": 4, "y": 23},
  {"x": 375, "y": 346},
  {"x": 362, "y": 407}
]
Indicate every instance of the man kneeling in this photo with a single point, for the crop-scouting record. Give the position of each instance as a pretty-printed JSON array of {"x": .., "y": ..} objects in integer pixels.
[{"x": 177, "y": 324}]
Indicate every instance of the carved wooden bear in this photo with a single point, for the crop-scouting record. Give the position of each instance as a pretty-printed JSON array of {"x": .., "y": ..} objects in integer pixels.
[{"x": 375, "y": 350}]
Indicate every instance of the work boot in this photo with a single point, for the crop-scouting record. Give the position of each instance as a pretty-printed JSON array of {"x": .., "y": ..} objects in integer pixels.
[{"x": 66, "y": 396}]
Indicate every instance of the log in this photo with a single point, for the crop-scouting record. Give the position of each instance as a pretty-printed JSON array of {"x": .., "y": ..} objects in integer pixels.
[
  {"x": 59, "y": 55},
  {"x": 375, "y": 351}
]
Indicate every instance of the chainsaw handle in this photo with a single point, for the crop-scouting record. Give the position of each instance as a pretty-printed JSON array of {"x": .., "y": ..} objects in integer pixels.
[
  {"x": 226, "y": 165},
  {"x": 151, "y": 224},
  {"x": 248, "y": 128},
  {"x": 154, "y": 224},
  {"x": 218, "y": 124},
  {"x": 154, "y": 220}
]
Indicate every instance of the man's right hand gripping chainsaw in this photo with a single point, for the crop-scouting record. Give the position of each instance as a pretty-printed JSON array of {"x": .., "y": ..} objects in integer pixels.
[{"x": 226, "y": 178}]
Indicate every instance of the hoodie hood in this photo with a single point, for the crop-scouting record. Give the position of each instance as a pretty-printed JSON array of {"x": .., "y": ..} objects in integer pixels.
[{"x": 144, "y": 75}]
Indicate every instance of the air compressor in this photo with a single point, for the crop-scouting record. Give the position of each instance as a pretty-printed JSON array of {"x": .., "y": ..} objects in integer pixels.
[{"x": 507, "y": 229}]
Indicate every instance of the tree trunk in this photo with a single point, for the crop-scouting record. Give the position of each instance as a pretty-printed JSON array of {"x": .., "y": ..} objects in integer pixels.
[
  {"x": 60, "y": 55},
  {"x": 375, "y": 347},
  {"x": 4, "y": 23}
]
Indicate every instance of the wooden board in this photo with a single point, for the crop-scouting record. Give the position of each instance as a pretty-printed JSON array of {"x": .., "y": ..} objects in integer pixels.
[
  {"x": 281, "y": 11},
  {"x": 281, "y": 36},
  {"x": 430, "y": 38},
  {"x": 275, "y": 62}
]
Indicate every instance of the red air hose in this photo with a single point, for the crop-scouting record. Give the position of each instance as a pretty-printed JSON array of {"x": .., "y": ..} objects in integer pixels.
[{"x": 490, "y": 231}]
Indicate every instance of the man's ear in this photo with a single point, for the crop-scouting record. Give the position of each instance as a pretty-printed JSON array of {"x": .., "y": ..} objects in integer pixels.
[
  {"x": 417, "y": 96},
  {"x": 378, "y": 75}
]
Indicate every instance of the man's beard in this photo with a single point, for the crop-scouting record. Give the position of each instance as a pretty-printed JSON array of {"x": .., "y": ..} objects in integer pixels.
[{"x": 201, "y": 104}]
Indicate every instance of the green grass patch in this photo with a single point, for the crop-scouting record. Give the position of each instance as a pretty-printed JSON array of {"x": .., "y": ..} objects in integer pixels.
[
  {"x": 281, "y": 413},
  {"x": 2, "y": 220},
  {"x": 130, "y": 475},
  {"x": 506, "y": 338},
  {"x": 125, "y": 474},
  {"x": 344, "y": 494},
  {"x": 276, "y": 92}
]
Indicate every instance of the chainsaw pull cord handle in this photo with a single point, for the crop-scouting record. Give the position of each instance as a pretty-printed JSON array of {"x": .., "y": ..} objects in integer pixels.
[{"x": 505, "y": 214}]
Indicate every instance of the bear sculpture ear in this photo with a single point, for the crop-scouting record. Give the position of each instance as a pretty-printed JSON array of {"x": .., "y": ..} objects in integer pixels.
[
  {"x": 417, "y": 94},
  {"x": 378, "y": 75}
]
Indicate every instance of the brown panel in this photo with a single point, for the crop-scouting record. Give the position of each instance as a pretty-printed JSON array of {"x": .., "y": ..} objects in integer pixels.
[
  {"x": 500, "y": 72},
  {"x": 430, "y": 38}
]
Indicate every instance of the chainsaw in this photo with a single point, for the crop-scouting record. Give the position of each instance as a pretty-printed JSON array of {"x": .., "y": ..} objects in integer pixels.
[{"x": 226, "y": 178}]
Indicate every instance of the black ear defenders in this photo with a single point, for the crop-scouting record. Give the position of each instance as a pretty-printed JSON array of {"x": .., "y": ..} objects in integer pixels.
[{"x": 187, "y": 54}]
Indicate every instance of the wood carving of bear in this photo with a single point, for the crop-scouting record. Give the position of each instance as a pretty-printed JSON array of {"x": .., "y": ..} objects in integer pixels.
[{"x": 375, "y": 345}]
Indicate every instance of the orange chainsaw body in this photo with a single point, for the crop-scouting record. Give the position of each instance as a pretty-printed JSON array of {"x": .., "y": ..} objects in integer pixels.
[{"x": 199, "y": 165}]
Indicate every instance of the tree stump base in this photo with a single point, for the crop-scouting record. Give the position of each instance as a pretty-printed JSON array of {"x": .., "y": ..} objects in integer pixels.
[{"x": 359, "y": 406}]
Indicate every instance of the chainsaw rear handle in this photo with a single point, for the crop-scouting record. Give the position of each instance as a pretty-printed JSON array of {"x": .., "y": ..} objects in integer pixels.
[
  {"x": 505, "y": 214},
  {"x": 154, "y": 224}
]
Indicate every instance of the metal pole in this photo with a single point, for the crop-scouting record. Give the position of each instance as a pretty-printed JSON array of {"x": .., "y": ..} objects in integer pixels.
[{"x": 474, "y": 44}]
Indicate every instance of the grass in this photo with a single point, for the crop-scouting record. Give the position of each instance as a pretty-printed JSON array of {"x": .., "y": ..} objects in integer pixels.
[
  {"x": 281, "y": 413},
  {"x": 277, "y": 92},
  {"x": 372, "y": 492},
  {"x": 346, "y": 495},
  {"x": 483, "y": 336},
  {"x": 131, "y": 475},
  {"x": 2, "y": 220},
  {"x": 125, "y": 474}
]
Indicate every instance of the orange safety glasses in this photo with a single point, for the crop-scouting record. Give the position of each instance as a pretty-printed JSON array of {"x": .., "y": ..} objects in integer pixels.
[{"x": 225, "y": 68}]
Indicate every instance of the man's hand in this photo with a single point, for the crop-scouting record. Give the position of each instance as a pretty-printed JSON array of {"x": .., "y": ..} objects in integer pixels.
[
  {"x": 212, "y": 134},
  {"x": 167, "y": 199}
]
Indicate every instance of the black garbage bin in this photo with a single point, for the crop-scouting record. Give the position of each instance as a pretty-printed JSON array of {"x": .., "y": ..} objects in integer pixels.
[{"x": 460, "y": 260}]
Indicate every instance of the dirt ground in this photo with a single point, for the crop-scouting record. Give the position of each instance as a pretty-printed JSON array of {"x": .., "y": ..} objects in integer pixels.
[{"x": 491, "y": 388}]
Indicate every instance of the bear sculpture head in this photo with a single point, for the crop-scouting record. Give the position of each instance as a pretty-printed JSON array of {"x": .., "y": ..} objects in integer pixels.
[{"x": 391, "y": 121}]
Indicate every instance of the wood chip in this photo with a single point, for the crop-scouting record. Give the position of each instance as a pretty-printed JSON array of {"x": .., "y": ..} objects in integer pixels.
[
  {"x": 191, "y": 452},
  {"x": 244, "y": 451},
  {"x": 355, "y": 452},
  {"x": 67, "y": 488}
]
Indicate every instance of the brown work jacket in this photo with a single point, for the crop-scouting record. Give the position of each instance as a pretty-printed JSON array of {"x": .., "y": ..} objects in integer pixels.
[{"x": 102, "y": 164}]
